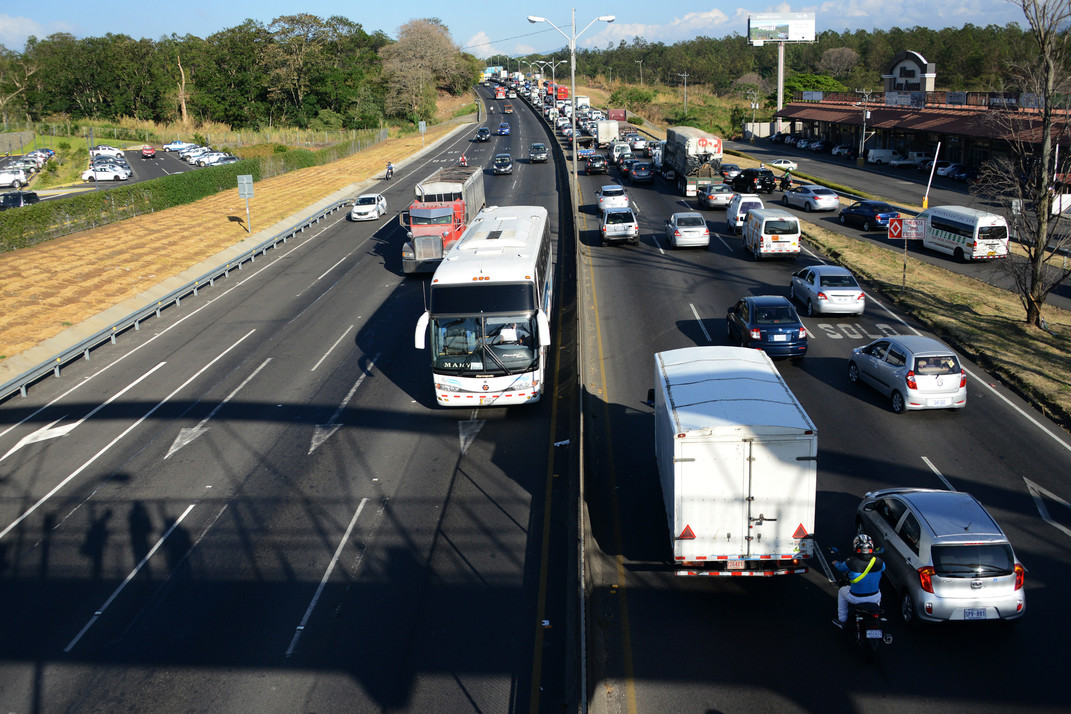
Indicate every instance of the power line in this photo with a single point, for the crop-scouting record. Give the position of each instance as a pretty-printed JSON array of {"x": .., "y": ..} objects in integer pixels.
[{"x": 506, "y": 39}]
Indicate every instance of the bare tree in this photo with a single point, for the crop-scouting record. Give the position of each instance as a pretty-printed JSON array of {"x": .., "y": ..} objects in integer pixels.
[
  {"x": 15, "y": 71},
  {"x": 423, "y": 60},
  {"x": 1027, "y": 180},
  {"x": 838, "y": 62}
]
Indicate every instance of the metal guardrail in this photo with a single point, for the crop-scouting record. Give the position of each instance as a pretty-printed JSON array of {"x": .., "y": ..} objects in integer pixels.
[{"x": 134, "y": 320}]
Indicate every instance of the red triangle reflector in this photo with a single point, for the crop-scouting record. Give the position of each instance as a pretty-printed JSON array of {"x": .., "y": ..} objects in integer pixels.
[
  {"x": 686, "y": 534},
  {"x": 801, "y": 532}
]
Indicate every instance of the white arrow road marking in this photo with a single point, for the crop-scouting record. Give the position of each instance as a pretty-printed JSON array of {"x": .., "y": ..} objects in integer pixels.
[
  {"x": 116, "y": 440},
  {"x": 187, "y": 435},
  {"x": 1037, "y": 491},
  {"x": 48, "y": 432},
  {"x": 323, "y": 432}
]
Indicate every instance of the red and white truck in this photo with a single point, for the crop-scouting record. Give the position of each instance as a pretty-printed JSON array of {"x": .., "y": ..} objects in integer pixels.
[{"x": 444, "y": 204}]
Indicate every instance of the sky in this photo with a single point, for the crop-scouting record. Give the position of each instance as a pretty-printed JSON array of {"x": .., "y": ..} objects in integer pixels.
[{"x": 485, "y": 28}]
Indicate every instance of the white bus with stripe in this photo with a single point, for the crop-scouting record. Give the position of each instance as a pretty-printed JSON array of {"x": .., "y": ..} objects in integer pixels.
[
  {"x": 966, "y": 233},
  {"x": 489, "y": 311}
]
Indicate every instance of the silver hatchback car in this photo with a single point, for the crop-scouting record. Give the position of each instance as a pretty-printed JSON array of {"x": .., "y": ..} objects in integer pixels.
[
  {"x": 945, "y": 556},
  {"x": 827, "y": 289},
  {"x": 914, "y": 372}
]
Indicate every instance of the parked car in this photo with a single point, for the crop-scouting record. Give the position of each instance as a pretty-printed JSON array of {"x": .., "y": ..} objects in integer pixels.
[
  {"x": 714, "y": 195},
  {"x": 802, "y": 143},
  {"x": 597, "y": 165},
  {"x": 18, "y": 199},
  {"x": 754, "y": 181},
  {"x": 842, "y": 150},
  {"x": 868, "y": 215},
  {"x": 105, "y": 173},
  {"x": 483, "y": 134},
  {"x": 769, "y": 323},
  {"x": 945, "y": 556},
  {"x": 619, "y": 225},
  {"x": 538, "y": 152},
  {"x": 729, "y": 171},
  {"x": 964, "y": 173},
  {"x": 641, "y": 172},
  {"x": 105, "y": 150},
  {"x": 811, "y": 198},
  {"x": 502, "y": 164},
  {"x": 368, "y": 207},
  {"x": 177, "y": 145},
  {"x": 827, "y": 290},
  {"x": 30, "y": 166},
  {"x": 784, "y": 164},
  {"x": 15, "y": 178},
  {"x": 611, "y": 196},
  {"x": 147, "y": 152},
  {"x": 210, "y": 157},
  {"x": 687, "y": 229},
  {"x": 914, "y": 372},
  {"x": 818, "y": 145},
  {"x": 503, "y": 129}
]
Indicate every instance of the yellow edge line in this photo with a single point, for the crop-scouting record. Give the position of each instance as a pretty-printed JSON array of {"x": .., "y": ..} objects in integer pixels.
[{"x": 626, "y": 635}]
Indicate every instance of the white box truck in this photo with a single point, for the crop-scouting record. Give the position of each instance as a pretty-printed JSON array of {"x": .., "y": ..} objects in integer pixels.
[{"x": 737, "y": 459}]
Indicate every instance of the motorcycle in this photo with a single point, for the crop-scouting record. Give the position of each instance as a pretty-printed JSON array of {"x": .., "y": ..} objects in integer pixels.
[
  {"x": 866, "y": 624},
  {"x": 464, "y": 161},
  {"x": 786, "y": 182},
  {"x": 390, "y": 172}
]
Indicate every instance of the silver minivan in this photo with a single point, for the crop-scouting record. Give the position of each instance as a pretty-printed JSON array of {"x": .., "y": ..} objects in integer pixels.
[
  {"x": 945, "y": 557},
  {"x": 914, "y": 372},
  {"x": 736, "y": 213}
]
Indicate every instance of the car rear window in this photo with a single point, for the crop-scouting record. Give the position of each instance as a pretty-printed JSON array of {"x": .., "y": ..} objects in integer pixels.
[
  {"x": 691, "y": 221},
  {"x": 969, "y": 561},
  {"x": 824, "y": 192},
  {"x": 619, "y": 217},
  {"x": 610, "y": 192},
  {"x": 945, "y": 364},
  {"x": 838, "y": 281},
  {"x": 774, "y": 315}
]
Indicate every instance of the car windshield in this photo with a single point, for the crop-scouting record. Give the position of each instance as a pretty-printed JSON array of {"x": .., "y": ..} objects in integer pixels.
[
  {"x": 838, "y": 281},
  {"x": 501, "y": 159},
  {"x": 782, "y": 226},
  {"x": 969, "y": 561},
  {"x": 366, "y": 201},
  {"x": 943, "y": 364},
  {"x": 690, "y": 221},
  {"x": 538, "y": 147},
  {"x": 619, "y": 217},
  {"x": 774, "y": 315}
]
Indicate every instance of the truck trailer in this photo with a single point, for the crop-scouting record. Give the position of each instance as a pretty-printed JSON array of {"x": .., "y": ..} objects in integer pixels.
[
  {"x": 443, "y": 206},
  {"x": 737, "y": 460},
  {"x": 692, "y": 156},
  {"x": 606, "y": 132}
]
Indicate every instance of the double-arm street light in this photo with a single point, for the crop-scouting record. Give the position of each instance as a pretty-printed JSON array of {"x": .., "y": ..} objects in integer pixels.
[{"x": 572, "y": 85}]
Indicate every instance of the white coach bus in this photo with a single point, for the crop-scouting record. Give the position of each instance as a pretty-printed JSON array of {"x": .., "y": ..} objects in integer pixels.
[
  {"x": 489, "y": 311},
  {"x": 966, "y": 233}
]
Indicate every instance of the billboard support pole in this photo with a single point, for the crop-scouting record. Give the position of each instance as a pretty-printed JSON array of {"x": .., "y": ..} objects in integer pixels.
[{"x": 780, "y": 81}]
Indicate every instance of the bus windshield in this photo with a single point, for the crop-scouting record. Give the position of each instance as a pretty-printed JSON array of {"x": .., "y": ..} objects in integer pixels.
[{"x": 484, "y": 345}]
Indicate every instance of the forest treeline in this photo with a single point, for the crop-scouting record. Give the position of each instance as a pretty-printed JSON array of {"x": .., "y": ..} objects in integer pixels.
[
  {"x": 298, "y": 70},
  {"x": 306, "y": 71}
]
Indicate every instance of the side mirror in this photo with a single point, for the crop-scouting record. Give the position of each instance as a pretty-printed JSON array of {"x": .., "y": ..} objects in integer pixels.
[{"x": 868, "y": 507}]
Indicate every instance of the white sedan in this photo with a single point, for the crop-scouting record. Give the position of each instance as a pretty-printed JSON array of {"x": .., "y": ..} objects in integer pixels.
[
  {"x": 811, "y": 198},
  {"x": 368, "y": 207},
  {"x": 612, "y": 196},
  {"x": 783, "y": 164},
  {"x": 106, "y": 173}
]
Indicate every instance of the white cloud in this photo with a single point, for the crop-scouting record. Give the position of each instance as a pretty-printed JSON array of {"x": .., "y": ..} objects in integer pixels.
[
  {"x": 480, "y": 45},
  {"x": 15, "y": 30},
  {"x": 523, "y": 50},
  {"x": 710, "y": 23}
]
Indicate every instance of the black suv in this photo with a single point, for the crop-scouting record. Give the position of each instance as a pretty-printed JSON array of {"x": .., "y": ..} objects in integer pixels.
[
  {"x": 483, "y": 134},
  {"x": 18, "y": 199},
  {"x": 597, "y": 165},
  {"x": 754, "y": 181}
]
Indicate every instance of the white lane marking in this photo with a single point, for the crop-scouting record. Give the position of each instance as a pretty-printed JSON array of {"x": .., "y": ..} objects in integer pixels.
[
  {"x": 187, "y": 435},
  {"x": 129, "y": 577},
  {"x": 323, "y": 432},
  {"x": 700, "y": 321},
  {"x": 331, "y": 348},
  {"x": 727, "y": 247},
  {"x": 321, "y": 276},
  {"x": 56, "y": 489},
  {"x": 323, "y": 581},
  {"x": 938, "y": 473},
  {"x": 1036, "y": 492},
  {"x": 658, "y": 244},
  {"x": 48, "y": 432}
]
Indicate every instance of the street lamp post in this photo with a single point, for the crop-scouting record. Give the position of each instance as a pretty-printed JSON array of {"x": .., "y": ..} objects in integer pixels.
[
  {"x": 861, "y": 159},
  {"x": 572, "y": 86}
]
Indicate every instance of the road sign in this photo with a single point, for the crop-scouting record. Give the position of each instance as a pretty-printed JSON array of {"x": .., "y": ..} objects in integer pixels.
[
  {"x": 896, "y": 227},
  {"x": 245, "y": 186},
  {"x": 914, "y": 228}
]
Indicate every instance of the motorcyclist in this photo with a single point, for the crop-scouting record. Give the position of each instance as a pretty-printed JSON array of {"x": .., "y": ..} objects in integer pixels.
[
  {"x": 464, "y": 161},
  {"x": 390, "y": 169},
  {"x": 786, "y": 181},
  {"x": 863, "y": 571}
]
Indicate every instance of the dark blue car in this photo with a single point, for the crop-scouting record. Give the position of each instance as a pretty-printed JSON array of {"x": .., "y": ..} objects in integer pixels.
[
  {"x": 868, "y": 215},
  {"x": 769, "y": 323},
  {"x": 503, "y": 129}
]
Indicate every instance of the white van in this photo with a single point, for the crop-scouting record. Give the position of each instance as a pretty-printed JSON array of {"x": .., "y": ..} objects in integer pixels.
[
  {"x": 772, "y": 231},
  {"x": 737, "y": 210},
  {"x": 883, "y": 156},
  {"x": 966, "y": 233}
]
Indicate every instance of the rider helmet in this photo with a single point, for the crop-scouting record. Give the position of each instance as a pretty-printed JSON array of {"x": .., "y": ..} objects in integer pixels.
[{"x": 863, "y": 544}]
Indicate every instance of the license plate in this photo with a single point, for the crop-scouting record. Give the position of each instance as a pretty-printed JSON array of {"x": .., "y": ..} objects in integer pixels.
[
  {"x": 938, "y": 402},
  {"x": 873, "y": 634},
  {"x": 779, "y": 338},
  {"x": 974, "y": 613},
  {"x": 735, "y": 565}
]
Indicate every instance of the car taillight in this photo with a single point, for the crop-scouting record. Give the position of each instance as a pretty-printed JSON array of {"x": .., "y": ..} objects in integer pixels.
[
  {"x": 860, "y": 296},
  {"x": 706, "y": 231},
  {"x": 822, "y": 296},
  {"x": 962, "y": 378},
  {"x": 756, "y": 333},
  {"x": 677, "y": 233},
  {"x": 803, "y": 333},
  {"x": 926, "y": 578},
  {"x": 910, "y": 379},
  {"x": 1020, "y": 574}
]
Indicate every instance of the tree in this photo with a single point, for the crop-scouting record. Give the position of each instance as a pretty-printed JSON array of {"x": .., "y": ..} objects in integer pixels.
[
  {"x": 839, "y": 61},
  {"x": 1026, "y": 181},
  {"x": 422, "y": 60},
  {"x": 15, "y": 71}
]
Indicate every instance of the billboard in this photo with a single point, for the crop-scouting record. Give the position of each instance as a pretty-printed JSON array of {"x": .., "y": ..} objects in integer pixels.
[{"x": 780, "y": 27}]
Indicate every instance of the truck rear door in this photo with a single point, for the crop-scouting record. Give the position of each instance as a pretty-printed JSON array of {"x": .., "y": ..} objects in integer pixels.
[
  {"x": 781, "y": 495},
  {"x": 711, "y": 516}
]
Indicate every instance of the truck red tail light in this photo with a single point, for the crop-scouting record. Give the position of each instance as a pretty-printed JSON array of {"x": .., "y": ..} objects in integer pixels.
[
  {"x": 910, "y": 379},
  {"x": 1020, "y": 575},
  {"x": 926, "y": 578}
]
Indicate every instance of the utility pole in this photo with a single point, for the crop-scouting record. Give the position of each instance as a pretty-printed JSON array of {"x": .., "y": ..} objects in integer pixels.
[
  {"x": 640, "y": 63},
  {"x": 865, "y": 93},
  {"x": 753, "y": 96},
  {"x": 685, "y": 75}
]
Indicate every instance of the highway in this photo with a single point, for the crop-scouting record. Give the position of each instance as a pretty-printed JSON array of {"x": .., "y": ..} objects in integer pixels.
[{"x": 255, "y": 505}]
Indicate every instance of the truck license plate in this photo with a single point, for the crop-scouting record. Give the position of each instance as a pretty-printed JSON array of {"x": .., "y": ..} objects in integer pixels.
[
  {"x": 974, "y": 613},
  {"x": 735, "y": 565}
]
